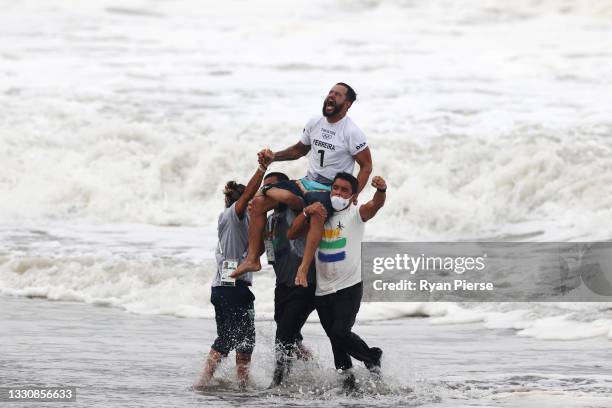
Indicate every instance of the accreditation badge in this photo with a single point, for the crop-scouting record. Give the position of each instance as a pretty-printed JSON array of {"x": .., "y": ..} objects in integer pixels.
[
  {"x": 269, "y": 251},
  {"x": 227, "y": 268}
]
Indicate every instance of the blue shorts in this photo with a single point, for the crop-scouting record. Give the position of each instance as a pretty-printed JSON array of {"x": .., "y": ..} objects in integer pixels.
[{"x": 309, "y": 191}]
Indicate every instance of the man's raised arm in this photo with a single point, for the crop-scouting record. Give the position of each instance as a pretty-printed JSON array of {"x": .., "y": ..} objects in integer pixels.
[
  {"x": 251, "y": 188},
  {"x": 291, "y": 153},
  {"x": 369, "y": 209}
]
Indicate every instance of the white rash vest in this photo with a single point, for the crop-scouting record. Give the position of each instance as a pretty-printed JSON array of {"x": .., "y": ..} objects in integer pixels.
[{"x": 332, "y": 147}]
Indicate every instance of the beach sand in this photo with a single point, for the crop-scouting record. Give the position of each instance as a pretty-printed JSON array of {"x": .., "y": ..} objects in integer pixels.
[{"x": 119, "y": 359}]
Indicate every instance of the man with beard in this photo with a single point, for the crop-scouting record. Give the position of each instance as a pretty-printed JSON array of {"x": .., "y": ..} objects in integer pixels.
[{"x": 333, "y": 143}]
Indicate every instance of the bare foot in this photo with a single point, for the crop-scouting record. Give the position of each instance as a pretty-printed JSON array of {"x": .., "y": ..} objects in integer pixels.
[{"x": 246, "y": 266}]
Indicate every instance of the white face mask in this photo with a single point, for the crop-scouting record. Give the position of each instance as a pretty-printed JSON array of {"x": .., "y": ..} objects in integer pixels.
[{"x": 340, "y": 203}]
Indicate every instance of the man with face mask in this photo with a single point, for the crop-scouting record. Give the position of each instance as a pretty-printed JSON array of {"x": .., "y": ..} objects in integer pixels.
[
  {"x": 339, "y": 287},
  {"x": 333, "y": 143}
]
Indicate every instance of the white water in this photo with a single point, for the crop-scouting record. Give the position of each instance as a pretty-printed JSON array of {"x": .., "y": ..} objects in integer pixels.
[
  {"x": 488, "y": 119},
  {"x": 168, "y": 271}
]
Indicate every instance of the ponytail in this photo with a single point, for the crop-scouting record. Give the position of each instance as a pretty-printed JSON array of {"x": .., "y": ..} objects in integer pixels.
[{"x": 232, "y": 192}]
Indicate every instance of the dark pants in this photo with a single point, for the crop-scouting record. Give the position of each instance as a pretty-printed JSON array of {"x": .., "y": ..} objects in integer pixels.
[
  {"x": 235, "y": 317},
  {"x": 292, "y": 306},
  {"x": 337, "y": 313}
]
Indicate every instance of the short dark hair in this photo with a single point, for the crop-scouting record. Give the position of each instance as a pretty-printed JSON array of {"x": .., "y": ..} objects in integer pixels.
[
  {"x": 232, "y": 192},
  {"x": 351, "y": 95},
  {"x": 350, "y": 178},
  {"x": 280, "y": 176}
]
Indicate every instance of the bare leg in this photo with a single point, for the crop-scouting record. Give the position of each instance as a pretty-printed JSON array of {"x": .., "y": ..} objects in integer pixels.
[
  {"x": 212, "y": 362},
  {"x": 243, "y": 362},
  {"x": 315, "y": 233},
  {"x": 287, "y": 197},
  {"x": 260, "y": 206}
]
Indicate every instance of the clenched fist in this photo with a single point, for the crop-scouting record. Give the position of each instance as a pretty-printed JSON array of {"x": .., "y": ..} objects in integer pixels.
[
  {"x": 265, "y": 157},
  {"x": 379, "y": 183}
]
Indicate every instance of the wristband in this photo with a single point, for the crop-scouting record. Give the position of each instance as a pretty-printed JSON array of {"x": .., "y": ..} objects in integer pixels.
[
  {"x": 306, "y": 215},
  {"x": 381, "y": 190}
]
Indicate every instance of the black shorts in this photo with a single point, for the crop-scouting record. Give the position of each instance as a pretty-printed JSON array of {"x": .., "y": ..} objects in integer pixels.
[
  {"x": 235, "y": 317},
  {"x": 309, "y": 197}
]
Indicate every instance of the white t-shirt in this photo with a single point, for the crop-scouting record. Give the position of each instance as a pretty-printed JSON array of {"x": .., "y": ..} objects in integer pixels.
[
  {"x": 338, "y": 258},
  {"x": 333, "y": 146}
]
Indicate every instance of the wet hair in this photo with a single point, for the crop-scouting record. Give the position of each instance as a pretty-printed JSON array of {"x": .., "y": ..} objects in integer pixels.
[
  {"x": 232, "y": 192},
  {"x": 351, "y": 95},
  {"x": 350, "y": 178},
  {"x": 279, "y": 176}
]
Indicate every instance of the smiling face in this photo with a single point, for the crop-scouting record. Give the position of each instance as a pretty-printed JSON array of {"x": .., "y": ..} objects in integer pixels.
[{"x": 336, "y": 103}]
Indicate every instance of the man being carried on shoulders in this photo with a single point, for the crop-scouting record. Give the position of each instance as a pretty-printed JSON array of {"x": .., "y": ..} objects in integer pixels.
[{"x": 333, "y": 143}]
